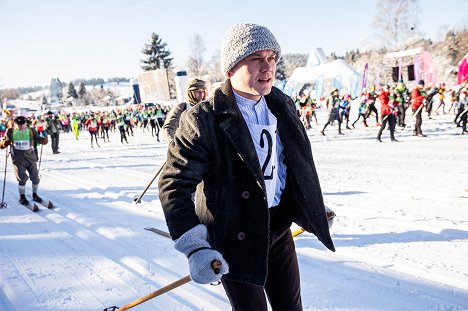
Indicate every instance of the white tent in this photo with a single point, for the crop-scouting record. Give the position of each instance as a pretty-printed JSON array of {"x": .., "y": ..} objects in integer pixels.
[{"x": 343, "y": 75}]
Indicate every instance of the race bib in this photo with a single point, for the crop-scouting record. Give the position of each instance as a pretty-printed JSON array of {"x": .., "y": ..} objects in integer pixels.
[
  {"x": 264, "y": 138},
  {"x": 22, "y": 139}
]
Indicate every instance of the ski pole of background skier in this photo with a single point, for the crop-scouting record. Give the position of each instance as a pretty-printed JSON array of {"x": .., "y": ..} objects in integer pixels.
[
  {"x": 138, "y": 200},
  {"x": 371, "y": 132},
  {"x": 464, "y": 111},
  {"x": 412, "y": 117},
  {"x": 3, "y": 204},
  {"x": 40, "y": 159},
  {"x": 214, "y": 265}
]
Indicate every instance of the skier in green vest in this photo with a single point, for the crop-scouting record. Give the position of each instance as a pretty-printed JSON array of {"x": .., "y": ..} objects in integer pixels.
[{"x": 22, "y": 139}]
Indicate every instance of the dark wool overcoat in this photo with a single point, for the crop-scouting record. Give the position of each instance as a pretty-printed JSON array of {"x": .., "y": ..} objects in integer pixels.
[{"x": 213, "y": 153}]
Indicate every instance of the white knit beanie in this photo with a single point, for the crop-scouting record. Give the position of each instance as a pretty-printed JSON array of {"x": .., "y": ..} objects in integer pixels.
[{"x": 241, "y": 40}]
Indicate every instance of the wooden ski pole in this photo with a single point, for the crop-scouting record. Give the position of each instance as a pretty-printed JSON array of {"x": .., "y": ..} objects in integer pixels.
[
  {"x": 138, "y": 200},
  {"x": 214, "y": 264},
  {"x": 157, "y": 293}
]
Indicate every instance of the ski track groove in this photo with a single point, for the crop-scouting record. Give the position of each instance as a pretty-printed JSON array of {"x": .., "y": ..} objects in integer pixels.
[
  {"x": 393, "y": 283},
  {"x": 123, "y": 277},
  {"x": 128, "y": 273}
]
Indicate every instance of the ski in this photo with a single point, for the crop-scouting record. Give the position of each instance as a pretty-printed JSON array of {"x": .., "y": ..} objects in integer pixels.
[
  {"x": 32, "y": 207},
  {"x": 46, "y": 203},
  {"x": 160, "y": 232}
]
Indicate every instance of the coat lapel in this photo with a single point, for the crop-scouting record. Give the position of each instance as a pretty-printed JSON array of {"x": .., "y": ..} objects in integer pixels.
[
  {"x": 236, "y": 131},
  {"x": 289, "y": 127}
]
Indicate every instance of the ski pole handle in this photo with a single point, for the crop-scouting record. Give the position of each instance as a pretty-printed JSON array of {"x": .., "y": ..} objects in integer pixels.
[{"x": 297, "y": 232}]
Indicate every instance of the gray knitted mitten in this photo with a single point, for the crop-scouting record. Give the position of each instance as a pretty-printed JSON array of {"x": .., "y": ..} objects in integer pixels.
[
  {"x": 195, "y": 246},
  {"x": 330, "y": 216}
]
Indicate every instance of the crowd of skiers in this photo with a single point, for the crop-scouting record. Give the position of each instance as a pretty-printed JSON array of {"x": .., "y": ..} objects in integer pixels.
[
  {"x": 23, "y": 134},
  {"x": 97, "y": 123},
  {"x": 394, "y": 103}
]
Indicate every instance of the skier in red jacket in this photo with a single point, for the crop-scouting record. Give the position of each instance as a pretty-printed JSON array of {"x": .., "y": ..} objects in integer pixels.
[
  {"x": 417, "y": 101},
  {"x": 388, "y": 112}
]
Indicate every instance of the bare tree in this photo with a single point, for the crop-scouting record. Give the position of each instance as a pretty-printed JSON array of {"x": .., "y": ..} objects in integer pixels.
[
  {"x": 195, "y": 63},
  {"x": 214, "y": 67},
  {"x": 395, "y": 23},
  {"x": 291, "y": 61}
]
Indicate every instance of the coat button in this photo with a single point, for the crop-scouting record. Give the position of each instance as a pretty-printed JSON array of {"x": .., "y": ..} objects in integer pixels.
[
  {"x": 245, "y": 194},
  {"x": 241, "y": 236}
]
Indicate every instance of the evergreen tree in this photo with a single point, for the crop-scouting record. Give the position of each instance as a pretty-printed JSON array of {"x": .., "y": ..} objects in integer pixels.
[
  {"x": 60, "y": 90},
  {"x": 159, "y": 57},
  {"x": 72, "y": 90},
  {"x": 44, "y": 103},
  {"x": 55, "y": 89},
  {"x": 82, "y": 90}
]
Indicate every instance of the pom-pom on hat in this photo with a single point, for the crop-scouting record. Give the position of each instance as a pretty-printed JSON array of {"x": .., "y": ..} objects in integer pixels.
[{"x": 241, "y": 40}]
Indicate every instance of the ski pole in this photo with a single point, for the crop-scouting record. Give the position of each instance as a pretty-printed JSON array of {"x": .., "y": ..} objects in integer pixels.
[
  {"x": 154, "y": 294},
  {"x": 214, "y": 264},
  {"x": 40, "y": 159},
  {"x": 372, "y": 129},
  {"x": 3, "y": 204},
  {"x": 138, "y": 200},
  {"x": 464, "y": 111},
  {"x": 412, "y": 117}
]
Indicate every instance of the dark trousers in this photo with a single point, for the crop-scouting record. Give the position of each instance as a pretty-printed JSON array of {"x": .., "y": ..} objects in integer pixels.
[
  {"x": 390, "y": 119},
  {"x": 93, "y": 134},
  {"x": 363, "y": 115},
  {"x": 401, "y": 114},
  {"x": 459, "y": 112},
  {"x": 282, "y": 287},
  {"x": 374, "y": 110},
  {"x": 429, "y": 105},
  {"x": 463, "y": 120},
  {"x": 129, "y": 127},
  {"x": 55, "y": 141},
  {"x": 418, "y": 123},
  {"x": 154, "y": 128},
  {"x": 333, "y": 116},
  {"x": 122, "y": 134}
]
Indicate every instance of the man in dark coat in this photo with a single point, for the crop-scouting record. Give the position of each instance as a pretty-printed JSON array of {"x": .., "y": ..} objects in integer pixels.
[
  {"x": 53, "y": 129},
  {"x": 196, "y": 92},
  {"x": 247, "y": 155}
]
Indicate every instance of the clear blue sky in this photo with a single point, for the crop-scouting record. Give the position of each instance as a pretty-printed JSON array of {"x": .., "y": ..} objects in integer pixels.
[{"x": 40, "y": 40}]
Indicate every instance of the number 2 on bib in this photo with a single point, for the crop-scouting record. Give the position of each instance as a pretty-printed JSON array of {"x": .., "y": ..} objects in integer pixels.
[{"x": 268, "y": 157}]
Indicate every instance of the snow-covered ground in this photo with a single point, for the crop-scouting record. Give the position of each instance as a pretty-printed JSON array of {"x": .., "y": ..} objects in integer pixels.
[{"x": 401, "y": 232}]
